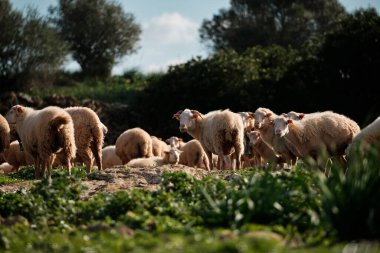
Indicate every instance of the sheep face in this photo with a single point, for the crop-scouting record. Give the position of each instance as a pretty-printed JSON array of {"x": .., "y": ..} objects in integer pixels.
[
  {"x": 173, "y": 155},
  {"x": 186, "y": 119},
  {"x": 294, "y": 115},
  {"x": 260, "y": 118},
  {"x": 248, "y": 120},
  {"x": 254, "y": 137},
  {"x": 174, "y": 141},
  {"x": 281, "y": 126},
  {"x": 14, "y": 113}
]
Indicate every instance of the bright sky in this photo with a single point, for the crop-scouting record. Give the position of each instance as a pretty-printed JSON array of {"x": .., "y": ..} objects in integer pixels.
[{"x": 170, "y": 29}]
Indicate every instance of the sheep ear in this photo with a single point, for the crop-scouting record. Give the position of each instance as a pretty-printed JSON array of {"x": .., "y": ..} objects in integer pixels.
[
  {"x": 196, "y": 114},
  {"x": 301, "y": 116},
  {"x": 180, "y": 139},
  {"x": 19, "y": 108},
  {"x": 268, "y": 115},
  {"x": 177, "y": 115},
  {"x": 290, "y": 121}
]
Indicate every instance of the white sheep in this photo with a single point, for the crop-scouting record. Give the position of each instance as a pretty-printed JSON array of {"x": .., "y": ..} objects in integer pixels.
[
  {"x": 219, "y": 132},
  {"x": 366, "y": 138},
  {"x": 176, "y": 142},
  {"x": 263, "y": 115},
  {"x": 89, "y": 136},
  {"x": 44, "y": 133},
  {"x": 313, "y": 137},
  {"x": 109, "y": 157},
  {"x": 4, "y": 134},
  {"x": 193, "y": 155},
  {"x": 159, "y": 147},
  {"x": 16, "y": 157},
  {"x": 170, "y": 157},
  {"x": 133, "y": 143},
  {"x": 248, "y": 119}
]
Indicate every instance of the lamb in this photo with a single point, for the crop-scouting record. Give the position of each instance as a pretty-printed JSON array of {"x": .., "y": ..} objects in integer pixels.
[
  {"x": 133, "y": 143},
  {"x": 175, "y": 142},
  {"x": 262, "y": 149},
  {"x": 44, "y": 133},
  {"x": 219, "y": 132},
  {"x": 366, "y": 138},
  {"x": 328, "y": 133},
  {"x": 110, "y": 158},
  {"x": 248, "y": 119},
  {"x": 193, "y": 155},
  {"x": 6, "y": 168},
  {"x": 159, "y": 147},
  {"x": 89, "y": 136},
  {"x": 171, "y": 157},
  {"x": 16, "y": 157},
  {"x": 4, "y": 134}
]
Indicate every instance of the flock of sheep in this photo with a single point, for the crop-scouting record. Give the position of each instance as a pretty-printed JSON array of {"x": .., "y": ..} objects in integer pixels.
[{"x": 53, "y": 137}]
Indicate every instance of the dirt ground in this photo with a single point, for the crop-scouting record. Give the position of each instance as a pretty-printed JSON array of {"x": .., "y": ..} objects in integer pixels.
[{"x": 121, "y": 178}]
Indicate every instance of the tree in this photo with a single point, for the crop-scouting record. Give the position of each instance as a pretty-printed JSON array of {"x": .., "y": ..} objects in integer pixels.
[
  {"x": 29, "y": 48},
  {"x": 255, "y": 22},
  {"x": 99, "y": 32}
]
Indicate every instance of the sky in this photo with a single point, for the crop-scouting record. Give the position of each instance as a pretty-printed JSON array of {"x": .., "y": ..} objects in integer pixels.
[{"x": 169, "y": 29}]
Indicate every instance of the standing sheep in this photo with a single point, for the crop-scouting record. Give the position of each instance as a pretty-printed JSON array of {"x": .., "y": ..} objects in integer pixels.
[
  {"x": 43, "y": 134},
  {"x": 193, "y": 155},
  {"x": 219, "y": 132},
  {"x": 109, "y": 157},
  {"x": 16, "y": 157},
  {"x": 89, "y": 136},
  {"x": 366, "y": 138},
  {"x": 4, "y": 134},
  {"x": 311, "y": 137},
  {"x": 170, "y": 157},
  {"x": 133, "y": 143}
]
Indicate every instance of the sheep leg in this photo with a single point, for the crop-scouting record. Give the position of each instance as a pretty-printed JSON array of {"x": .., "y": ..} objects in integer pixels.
[
  {"x": 209, "y": 155},
  {"x": 43, "y": 168},
  {"x": 97, "y": 152},
  {"x": 37, "y": 167},
  {"x": 49, "y": 166},
  {"x": 238, "y": 152}
]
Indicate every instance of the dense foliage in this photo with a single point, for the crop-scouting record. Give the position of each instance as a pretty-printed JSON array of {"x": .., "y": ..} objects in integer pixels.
[
  {"x": 250, "y": 23},
  {"x": 30, "y": 49},
  {"x": 99, "y": 33}
]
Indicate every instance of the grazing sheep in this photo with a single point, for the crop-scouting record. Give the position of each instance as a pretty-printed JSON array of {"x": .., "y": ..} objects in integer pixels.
[
  {"x": 219, "y": 132},
  {"x": 175, "y": 142},
  {"x": 171, "y": 157},
  {"x": 366, "y": 138},
  {"x": 109, "y": 157},
  {"x": 264, "y": 152},
  {"x": 43, "y": 134},
  {"x": 328, "y": 133},
  {"x": 16, "y": 157},
  {"x": 6, "y": 168},
  {"x": 159, "y": 147},
  {"x": 4, "y": 134},
  {"x": 89, "y": 136},
  {"x": 133, "y": 143},
  {"x": 193, "y": 155}
]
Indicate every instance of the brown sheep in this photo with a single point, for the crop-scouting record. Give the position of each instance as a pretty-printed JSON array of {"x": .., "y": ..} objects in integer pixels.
[
  {"x": 193, "y": 155},
  {"x": 159, "y": 147},
  {"x": 44, "y": 133},
  {"x": 4, "y": 134},
  {"x": 16, "y": 157},
  {"x": 109, "y": 157},
  {"x": 133, "y": 143}
]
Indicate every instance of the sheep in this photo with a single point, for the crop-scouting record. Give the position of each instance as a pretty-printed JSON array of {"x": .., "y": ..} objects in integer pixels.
[
  {"x": 175, "y": 142},
  {"x": 219, "y": 132},
  {"x": 366, "y": 138},
  {"x": 133, "y": 143},
  {"x": 248, "y": 119},
  {"x": 43, "y": 134},
  {"x": 6, "y": 168},
  {"x": 159, "y": 147},
  {"x": 109, "y": 157},
  {"x": 89, "y": 136},
  {"x": 327, "y": 132},
  {"x": 263, "y": 115},
  {"x": 262, "y": 149},
  {"x": 299, "y": 116},
  {"x": 193, "y": 155},
  {"x": 4, "y": 134},
  {"x": 16, "y": 157},
  {"x": 170, "y": 157}
]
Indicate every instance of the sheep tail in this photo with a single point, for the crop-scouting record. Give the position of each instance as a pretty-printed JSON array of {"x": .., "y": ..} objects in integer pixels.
[
  {"x": 96, "y": 145},
  {"x": 62, "y": 136}
]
